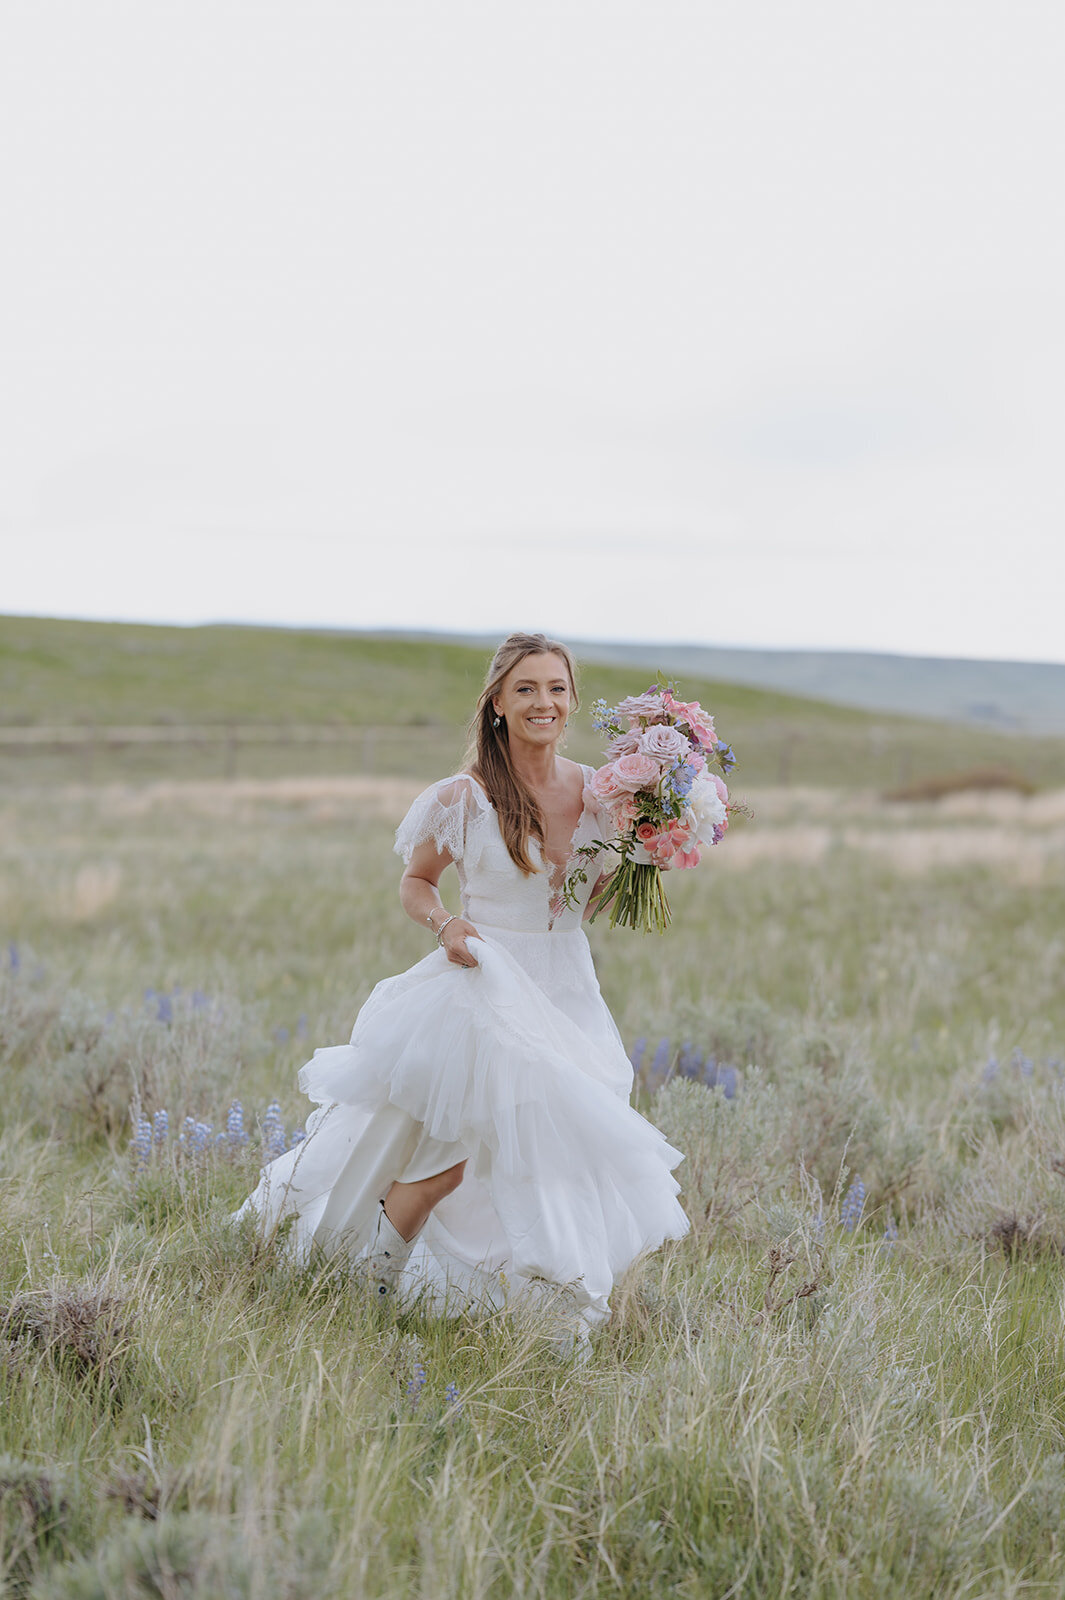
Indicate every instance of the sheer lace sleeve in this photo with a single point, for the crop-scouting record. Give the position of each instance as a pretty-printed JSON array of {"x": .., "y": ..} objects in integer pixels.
[{"x": 451, "y": 815}]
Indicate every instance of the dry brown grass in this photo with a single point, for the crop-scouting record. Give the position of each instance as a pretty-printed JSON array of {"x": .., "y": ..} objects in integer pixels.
[{"x": 979, "y": 779}]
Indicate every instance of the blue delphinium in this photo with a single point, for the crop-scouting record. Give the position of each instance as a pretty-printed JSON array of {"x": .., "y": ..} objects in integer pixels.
[
  {"x": 603, "y": 716},
  {"x": 235, "y": 1125},
  {"x": 853, "y": 1202},
  {"x": 142, "y": 1141},
  {"x": 416, "y": 1384},
  {"x": 725, "y": 758},
  {"x": 273, "y": 1131},
  {"x": 160, "y": 1127},
  {"x": 679, "y": 779}
]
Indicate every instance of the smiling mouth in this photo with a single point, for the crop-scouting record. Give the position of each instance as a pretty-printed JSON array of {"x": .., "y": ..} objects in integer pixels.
[{"x": 540, "y": 722}]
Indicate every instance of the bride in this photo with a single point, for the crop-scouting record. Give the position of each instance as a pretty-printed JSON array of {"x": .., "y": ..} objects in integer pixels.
[{"x": 474, "y": 1143}]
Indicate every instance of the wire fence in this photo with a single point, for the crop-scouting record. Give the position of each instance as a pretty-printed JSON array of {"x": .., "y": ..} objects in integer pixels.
[{"x": 870, "y": 755}]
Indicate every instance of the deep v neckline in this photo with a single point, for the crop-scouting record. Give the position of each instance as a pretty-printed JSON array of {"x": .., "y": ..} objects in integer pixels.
[
  {"x": 559, "y": 866},
  {"x": 558, "y": 871}
]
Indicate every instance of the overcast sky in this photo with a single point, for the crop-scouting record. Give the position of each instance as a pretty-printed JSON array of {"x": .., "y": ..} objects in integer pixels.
[{"x": 732, "y": 323}]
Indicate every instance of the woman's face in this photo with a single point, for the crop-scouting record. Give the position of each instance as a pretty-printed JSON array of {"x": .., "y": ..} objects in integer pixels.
[{"x": 534, "y": 700}]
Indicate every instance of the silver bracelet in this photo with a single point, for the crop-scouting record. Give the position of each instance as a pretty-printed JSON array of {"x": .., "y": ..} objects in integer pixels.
[{"x": 441, "y": 928}]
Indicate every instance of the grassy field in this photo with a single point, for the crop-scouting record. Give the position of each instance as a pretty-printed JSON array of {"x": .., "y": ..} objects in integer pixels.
[
  {"x": 235, "y": 684},
  {"x": 824, "y": 1391}
]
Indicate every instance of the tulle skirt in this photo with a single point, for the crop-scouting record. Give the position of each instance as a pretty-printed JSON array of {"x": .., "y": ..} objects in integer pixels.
[{"x": 515, "y": 1067}]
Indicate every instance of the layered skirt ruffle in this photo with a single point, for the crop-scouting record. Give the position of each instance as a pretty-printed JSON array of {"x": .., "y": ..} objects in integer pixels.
[{"x": 523, "y": 1079}]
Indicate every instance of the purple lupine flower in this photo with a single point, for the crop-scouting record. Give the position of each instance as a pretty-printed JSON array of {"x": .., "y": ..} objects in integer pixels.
[
  {"x": 416, "y": 1384},
  {"x": 639, "y": 1050},
  {"x": 891, "y": 1233},
  {"x": 164, "y": 1011},
  {"x": 296, "y": 1137},
  {"x": 235, "y": 1125},
  {"x": 201, "y": 1137},
  {"x": 717, "y": 1076},
  {"x": 141, "y": 1143},
  {"x": 301, "y": 1025},
  {"x": 14, "y": 960},
  {"x": 660, "y": 1063},
  {"x": 281, "y": 1035},
  {"x": 991, "y": 1070},
  {"x": 1021, "y": 1063},
  {"x": 690, "y": 1061},
  {"x": 160, "y": 1127},
  {"x": 851, "y": 1209},
  {"x": 817, "y": 1225},
  {"x": 198, "y": 999},
  {"x": 452, "y": 1400},
  {"x": 273, "y": 1131}
]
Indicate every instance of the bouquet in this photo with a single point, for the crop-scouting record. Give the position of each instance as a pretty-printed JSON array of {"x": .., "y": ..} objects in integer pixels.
[{"x": 665, "y": 803}]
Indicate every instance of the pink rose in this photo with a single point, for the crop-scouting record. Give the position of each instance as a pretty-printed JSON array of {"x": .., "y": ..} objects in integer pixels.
[
  {"x": 624, "y": 813},
  {"x": 664, "y": 744},
  {"x": 605, "y": 786},
  {"x": 635, "y": 772},
  {"x": 625, "y": 744},
  {"x": 635, "y": 706},
  {"x": 646, "y": 832}
]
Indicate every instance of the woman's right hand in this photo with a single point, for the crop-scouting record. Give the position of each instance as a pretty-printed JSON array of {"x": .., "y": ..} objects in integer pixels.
[{"x": 453, "y": 939}]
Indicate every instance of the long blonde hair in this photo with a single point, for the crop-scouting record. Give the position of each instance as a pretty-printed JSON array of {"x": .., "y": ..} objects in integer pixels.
[{"x": 488, "y": 756}]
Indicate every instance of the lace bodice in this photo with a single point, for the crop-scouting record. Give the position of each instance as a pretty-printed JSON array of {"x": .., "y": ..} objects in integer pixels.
[{"x": 456, "y": 815}]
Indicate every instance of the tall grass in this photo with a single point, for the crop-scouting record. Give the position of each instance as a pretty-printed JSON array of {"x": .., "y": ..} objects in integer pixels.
[{"x": 847, "y": 1380}]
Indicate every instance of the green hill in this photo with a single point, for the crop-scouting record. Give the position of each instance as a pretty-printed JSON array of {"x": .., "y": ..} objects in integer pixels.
[{"x": 280, "y": 701}]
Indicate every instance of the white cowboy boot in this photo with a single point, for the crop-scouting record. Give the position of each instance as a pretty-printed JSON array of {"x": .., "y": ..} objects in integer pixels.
[{"x": 388, "y": 1256}]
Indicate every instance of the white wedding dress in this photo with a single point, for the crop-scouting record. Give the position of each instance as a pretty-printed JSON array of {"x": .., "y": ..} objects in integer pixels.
[{"x": 514, "y": 1066}]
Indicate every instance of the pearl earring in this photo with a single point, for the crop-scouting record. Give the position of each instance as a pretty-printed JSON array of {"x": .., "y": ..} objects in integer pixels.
[{"x": 495, "y": 722}]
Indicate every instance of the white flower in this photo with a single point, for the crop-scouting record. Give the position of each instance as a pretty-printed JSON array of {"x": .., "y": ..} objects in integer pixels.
[{"x": 707, "y": 807}]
